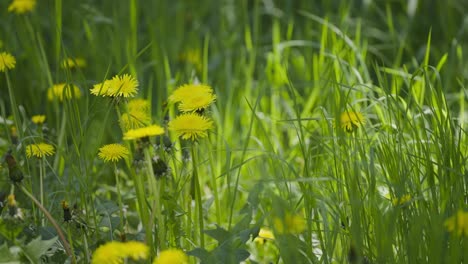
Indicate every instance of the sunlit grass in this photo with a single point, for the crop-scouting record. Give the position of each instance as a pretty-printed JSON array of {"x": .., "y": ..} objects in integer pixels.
[{"x": 296, "y": 132}]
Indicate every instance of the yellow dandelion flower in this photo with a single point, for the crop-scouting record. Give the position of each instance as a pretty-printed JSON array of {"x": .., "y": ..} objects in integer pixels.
[
  {"x": 401, "y": 200},
  {"x": 63, "y": 91},
  {"x": 11, "y": 201},
  {"x": 7, "y": 61},
  {"x": 350, "y": 121},
  {"x": 134, "y": 119},
  {"x": 110, "y": 253},
  {"x": 264, "y": 235},
  {"x": 194, "y": 57},
  {"x": 125, "y": 86},
  {"x": 188, "y": 90},
  {"x": 21, "y": 6},
  {"x": 65, "y": 204},
  {"x": 14, "y": 131},
  {"x": 113, "y": 152},
  {"x": 458, "y": 223},
  {"x": 196, "y": 102},
  {"x": 171, "y": 256},
  {"x": 137, "y": 115},
  {"x": 39, "y": 150},
  {"x": 101, "y": 88},
  {"x": 136, "y": 250},
  {"x": 290, "y": 224},
  {"x": 115, "y": 252},
  {"x": 191, "y": 126},
  {"x": 38, "y": 119},
  {"x": 70, "y": 63},
  {"x": 138, "y": 104},
  {"x": 149, "y": 131}
]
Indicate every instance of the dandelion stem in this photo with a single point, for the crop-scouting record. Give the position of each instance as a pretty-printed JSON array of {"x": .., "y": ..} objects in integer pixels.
[
  {"x": 86, "y": 247},
  {"x": 198, "y": 200},
  {"x": 143, "y": 208},
  {"x": 69, "y": 235},
  {"x": 156, "y": 190},
  {"x": 60, "y": 234},
  {"x": 41, "y": 186},
  {"x": 61, "y": 137},
  {"x": 119, "y": 197},
  {"x": 188, "y": 226},
  {"x": 14, "y": 107},
  {"x": 215, "y": 191}
]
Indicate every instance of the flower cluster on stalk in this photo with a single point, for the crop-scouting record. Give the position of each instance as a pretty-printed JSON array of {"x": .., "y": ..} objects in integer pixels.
[{"x": 192, "y": 100}]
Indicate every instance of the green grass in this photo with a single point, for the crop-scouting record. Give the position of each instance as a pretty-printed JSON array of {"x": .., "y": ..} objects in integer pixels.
[{"x": 283, "y": 74}]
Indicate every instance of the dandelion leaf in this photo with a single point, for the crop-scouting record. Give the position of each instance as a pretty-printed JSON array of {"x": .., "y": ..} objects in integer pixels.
[
  {"x": 35, "y": 249},
  {"x": 6, "y": 256},
  {"x": 220, "y": 234}
]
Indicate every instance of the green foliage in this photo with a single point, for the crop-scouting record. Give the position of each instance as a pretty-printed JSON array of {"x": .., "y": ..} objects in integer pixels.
[
  {"x": 280, "y": 153},
  {"x": 6, "y": 256},
  {"x": 231, "y": 246},
  {"x": 31, "y": 252},
  {"x": 35, "y": 249}
]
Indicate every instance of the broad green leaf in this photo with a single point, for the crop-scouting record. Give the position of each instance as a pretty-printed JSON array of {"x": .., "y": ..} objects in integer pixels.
[
  {"x": 220, "y": 234},
  {"x": 6, "y": 256},
  {"x": 36, "y": 248}
]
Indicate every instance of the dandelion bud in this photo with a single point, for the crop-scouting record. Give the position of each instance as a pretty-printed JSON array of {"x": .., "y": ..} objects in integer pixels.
[{"x": 15, "y": 174}]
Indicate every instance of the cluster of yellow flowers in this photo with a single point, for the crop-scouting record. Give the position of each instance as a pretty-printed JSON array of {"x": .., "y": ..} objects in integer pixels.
[
  {"x": 193, "y": 99},
  {"x": 116, "y": 252},
  {"x": 137, "y": 115},
  {"x": 60, "y": 92},
  {"x": 135, "y": 122},
  {"x": 191, "y": 124}
]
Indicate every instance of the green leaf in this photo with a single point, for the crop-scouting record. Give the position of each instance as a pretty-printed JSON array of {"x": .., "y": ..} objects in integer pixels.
[
  {"x": 110, "y": 222},
  {"x": 6, "y": 256},
  {"x": 254, "y": 195},
  {"x": 36, "y": 248},
  {"x": 220, "y": 234},
  {"x": 10, "y": 229},
  {"x": 108, "y": 208},
  {"x": 241, "y": 255},
  {"x": 200, "y": 253}
]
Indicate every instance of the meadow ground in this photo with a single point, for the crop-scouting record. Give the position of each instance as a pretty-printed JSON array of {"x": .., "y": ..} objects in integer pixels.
[{"x": 252, "y": 131}]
